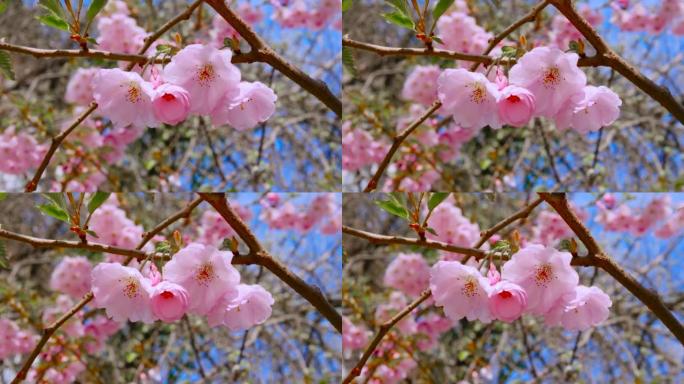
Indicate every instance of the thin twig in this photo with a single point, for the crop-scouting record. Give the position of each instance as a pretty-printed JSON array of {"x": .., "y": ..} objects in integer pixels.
[{"x": 396, "y": 143}]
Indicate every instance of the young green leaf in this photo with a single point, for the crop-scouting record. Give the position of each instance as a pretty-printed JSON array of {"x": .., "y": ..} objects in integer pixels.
[
  {"x": 56, "y": 198},
  {"x": 436, "y": 199},
  {"x": 6, "y": 65},
  {"x": 399, "y": 19},
  {"x": 3, "y": 5},
  {"x": 54, "y": 22},
  {"x": 92, "y": 233},
  {"x": 393, "y": 207},
  {"x": 95, "y": 7},
  {"x": 346, "y": 4},
  {"x": 53, "y": 6},
  {"x": 3, "y": 196},
  {"x": 440, "y": 8},
  {"x": 98, "y": 199},
  {"x": 54, "y": 211},
  {"x": 348, "y": 61},
  {"x": 431, "y": 230},
  {"x": 401, "y": 6}
]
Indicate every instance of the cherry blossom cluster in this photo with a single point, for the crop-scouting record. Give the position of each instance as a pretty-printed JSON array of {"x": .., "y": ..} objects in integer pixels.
[
  {"x": 199, "y": 279},
  {"x": 452, "y": 227},
  {"x": 14, "y": 340},
  {"x": 310, "y": 14},
  {"x": 537, "y": 280},
  {"x": 658, "y": 215},
  {"x": 638, "y": 17},
  {"x": 460, "y": 31},
  {"x": 359, "y": 149},
  {"x": 321, "y": 212},
  {"x": 19, "y": 152},
  {"x": 544, "y": 82}
]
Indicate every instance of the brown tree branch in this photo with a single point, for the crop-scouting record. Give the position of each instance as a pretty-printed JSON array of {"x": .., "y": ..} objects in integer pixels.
[
  {"x": 386, "y": 240},
  {"x": 264, "y": 258},
  {"x": 609, "y": 58},
  {"x": 396, "y": 143},
  {"x": 140, "y": 59},
  {"x": 266, "y": 54},
  {"x": 520, "y": 215},
  {"x": 596, "y": 256}
]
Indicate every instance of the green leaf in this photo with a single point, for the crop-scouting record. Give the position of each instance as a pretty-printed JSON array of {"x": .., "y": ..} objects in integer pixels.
[
  {"x": 346, "y": 4},
  {"x": 3, "y": 5},
  {"x": 440, "y": 8},
  {"x": 163, "y": 247},
  {"x": 401, "y": 6},
  {"x": 6, "y": 65},
  {"x": 98, "y": 199},
  {"x": 431, "y": 230},
  {"x": 54, "y": 22},
  {"x": 437, "y": 39},
  {"x": 92, "y": 233},
  {"x": 54, "y": 211},
  {"x": 393, "y": 207},
  {"x": 95, "y": 7},
  {"x": 3, "y": 196},
  {"x": 54, "y": 6},
  {"x": 56, "y": 198},
  {"x": 4, "y": 263},
  {"x": 399, "y": 19},
  {"x": 348, "y": 61},
  {"x": 436, "y": 199}
]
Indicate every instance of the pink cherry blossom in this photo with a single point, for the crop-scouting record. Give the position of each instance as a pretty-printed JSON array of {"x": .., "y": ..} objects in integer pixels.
[
  {"x": 255, "y": 104},
  {"x": 551, "y": 75},
  {"x": 19, "y": 152},
  {"x": 452, "y": 226},
  {"x": 252, "y": 306},
  {"x": 461, "y": 290},
  {"x": 516, "y": 106},
  {"x": 353, "y": 336},
  {"x": 120, "y": 33},
  {"x": 421, "y": 84},
  {"x": 507, "y": 301},
  {"x": 214, "y": 228},
  {"x": 80, "y": 87},
  {"x": 409, "y": 273},
  {"x": 333, "y": 226},
  {"x": 124, "y": 97},
  {"x": 460, "y": 32},
  {"x": 206, "y": 73},
  {"x": 123, "y": 292},
  {"x": 171, "y": 104},
  {"x": 544, "y": 273},
  {"x": 72, "y": 276},
  {"x": 596, "y": 107},
  {"x": 206, "y": 273},
  {"x": 112, "y": 226},
  {"x": 470, "y": 97},
  {"x": 580, "y": 309},
  {"x": 359, "y": 149},
  {"x": 169, "y": 301},
  {"x": 14, "y": 340}
]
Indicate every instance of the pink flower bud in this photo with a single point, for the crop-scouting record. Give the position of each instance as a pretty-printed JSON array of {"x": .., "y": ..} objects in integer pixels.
[
  {"x": 171, "y": 104},
  {"x": 507, "y": 301},
  {"x": 169, "y": 301},
  {"x": 516, "y": 106}
]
